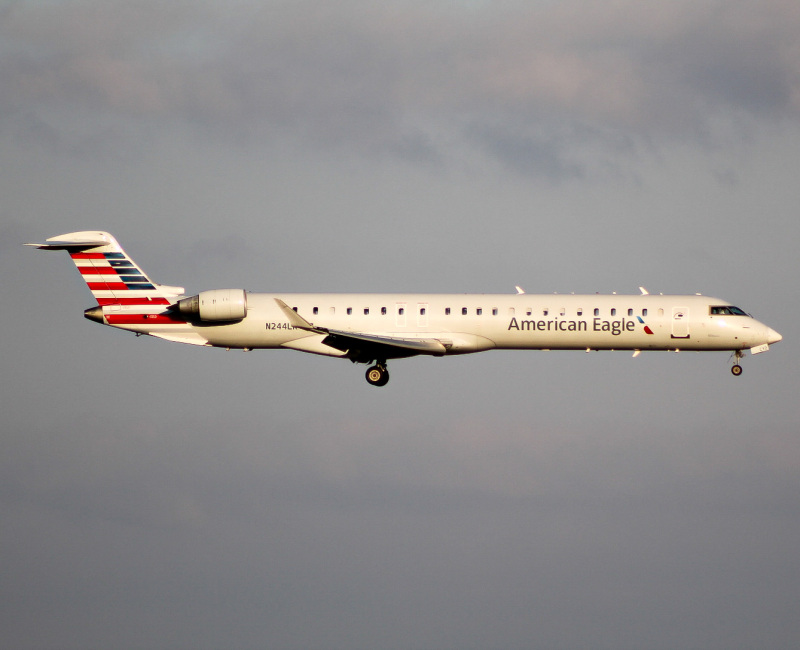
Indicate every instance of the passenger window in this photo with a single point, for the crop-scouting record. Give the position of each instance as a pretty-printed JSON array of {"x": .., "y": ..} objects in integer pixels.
[
  {"x": 316, "y": 311},
  {"x": 479, "y": 311},
  {"x": 630, "y": 312},
  {"x": 349, "y": 311},
  {"x": 545, "y": 312},
  {"x": 563, "y": 311},
  {"x": 422, "y": 311},
  {"x": 644, "y": 312},
  {"x": 613, "y": 312},
  {"x": 401, "y": 311},
  {"x": 596, "y": 311},
  {"x": 580, "y": 311},
  {"x": 447, "y": 311},
  {"x": 494, "y": 311},
  {"x": 463, "y": 311},
  {"x": 366, "y": 311},
  {"x": 383, "y": 311}
]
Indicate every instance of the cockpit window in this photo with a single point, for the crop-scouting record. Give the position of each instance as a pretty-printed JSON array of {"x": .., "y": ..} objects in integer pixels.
[{"x": 727, "y": 310}]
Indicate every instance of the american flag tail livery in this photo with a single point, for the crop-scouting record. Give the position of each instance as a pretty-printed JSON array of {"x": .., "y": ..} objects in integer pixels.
[
  {"x": 125, "y": 295},
  {"x": 109, "y": 272}
]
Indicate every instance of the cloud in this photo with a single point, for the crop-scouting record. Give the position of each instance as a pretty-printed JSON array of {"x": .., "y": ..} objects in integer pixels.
[
  {"x": 409, "y": 79},
  {"x": 159, "y": 494}
]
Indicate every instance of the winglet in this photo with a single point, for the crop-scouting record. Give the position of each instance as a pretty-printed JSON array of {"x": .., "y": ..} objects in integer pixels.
[{"x": 296, "y": 319}]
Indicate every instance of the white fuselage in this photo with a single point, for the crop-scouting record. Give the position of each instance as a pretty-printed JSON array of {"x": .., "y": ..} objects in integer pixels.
[
  {"x": 372, "y": 328},
  {"x": 467, "y": 323}
]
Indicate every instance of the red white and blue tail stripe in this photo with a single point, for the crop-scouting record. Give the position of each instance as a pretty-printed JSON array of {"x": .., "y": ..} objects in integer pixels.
[
  {"x": 126, "y": 297},
  {"x": 111, "y": 275}
]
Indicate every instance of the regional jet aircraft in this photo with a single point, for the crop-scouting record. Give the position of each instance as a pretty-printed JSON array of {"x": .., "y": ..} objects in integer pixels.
[{"x": 373, "y": 328}]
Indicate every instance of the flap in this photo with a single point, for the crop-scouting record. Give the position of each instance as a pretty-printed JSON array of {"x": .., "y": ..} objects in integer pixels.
[{"x": 420, "y": 346}]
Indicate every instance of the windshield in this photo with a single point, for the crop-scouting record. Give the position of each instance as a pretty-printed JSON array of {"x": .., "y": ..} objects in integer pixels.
[{"x": 727, "y": 310}]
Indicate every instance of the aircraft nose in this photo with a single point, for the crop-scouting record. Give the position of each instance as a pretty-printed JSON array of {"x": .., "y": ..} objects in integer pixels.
[{"x": 773, "y": 336}]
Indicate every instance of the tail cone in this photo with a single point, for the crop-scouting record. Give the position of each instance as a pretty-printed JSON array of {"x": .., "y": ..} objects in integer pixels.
[{"x": 95, "y": 314}]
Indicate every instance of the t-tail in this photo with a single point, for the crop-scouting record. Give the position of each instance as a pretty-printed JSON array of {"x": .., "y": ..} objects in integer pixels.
[
  {"x": 109, "y": 272},
  {"x": 126, "y": 296}
]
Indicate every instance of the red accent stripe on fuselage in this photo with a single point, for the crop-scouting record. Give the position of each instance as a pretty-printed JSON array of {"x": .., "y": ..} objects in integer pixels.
[
  {"x": 132, "y": 301},
  {"x": 87, "y": 256},
  {"x": 142, "y": 319}
]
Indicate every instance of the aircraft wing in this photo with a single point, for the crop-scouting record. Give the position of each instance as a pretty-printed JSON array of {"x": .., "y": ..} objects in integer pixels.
[
  {"x": 417, "y": 346},
  {"x": 344, "y": 340}
]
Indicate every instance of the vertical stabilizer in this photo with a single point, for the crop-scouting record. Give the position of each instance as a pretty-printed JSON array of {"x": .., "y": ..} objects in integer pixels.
[{"x": 109, "y": 272}]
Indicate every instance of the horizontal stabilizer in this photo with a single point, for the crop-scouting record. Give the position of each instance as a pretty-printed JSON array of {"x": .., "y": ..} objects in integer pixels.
[
  {"x": 109, "y": 272},
  {"x": 55, "y": 245}
]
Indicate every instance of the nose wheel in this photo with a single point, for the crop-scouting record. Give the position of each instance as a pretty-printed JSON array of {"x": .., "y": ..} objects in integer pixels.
[
  {"x": 736, "y": 369},
  {"x": 378, "y": 375}
]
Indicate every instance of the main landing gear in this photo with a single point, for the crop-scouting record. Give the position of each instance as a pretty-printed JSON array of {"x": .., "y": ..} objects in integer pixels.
[
  {"x": 736, "y": 369},
  {"x": 378, "y": 375}
]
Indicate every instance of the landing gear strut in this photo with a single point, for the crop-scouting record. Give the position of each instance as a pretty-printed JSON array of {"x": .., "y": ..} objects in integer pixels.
[
  {"x": 736, "y": 369},
  {"x": 378, "y": 375}
]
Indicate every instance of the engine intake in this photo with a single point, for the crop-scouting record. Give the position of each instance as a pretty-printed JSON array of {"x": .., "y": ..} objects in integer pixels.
[{"x": 216, "y": 305}]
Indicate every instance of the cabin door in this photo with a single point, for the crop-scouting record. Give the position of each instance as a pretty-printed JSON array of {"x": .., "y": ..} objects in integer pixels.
[{"x": 680, "y": 323}]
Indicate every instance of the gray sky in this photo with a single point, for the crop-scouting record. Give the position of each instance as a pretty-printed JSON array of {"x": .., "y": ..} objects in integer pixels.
[{"x": 155, "y": 495}]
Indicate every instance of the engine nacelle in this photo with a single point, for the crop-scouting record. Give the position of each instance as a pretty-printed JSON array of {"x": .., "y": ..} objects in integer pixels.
[{"x": 216, "y": 305}]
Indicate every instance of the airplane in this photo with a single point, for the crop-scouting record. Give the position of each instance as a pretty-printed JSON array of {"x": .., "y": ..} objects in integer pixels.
[{"x": 374, "y": 328}]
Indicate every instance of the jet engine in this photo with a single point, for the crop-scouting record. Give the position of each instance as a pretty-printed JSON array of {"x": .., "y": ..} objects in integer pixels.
[{"x": 216, "y": 305}]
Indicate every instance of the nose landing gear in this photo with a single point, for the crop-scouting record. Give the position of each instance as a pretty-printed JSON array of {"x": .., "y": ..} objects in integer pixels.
[
  {"x": 378, "y": 375},
  {"x": 736, "y": 369}
]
